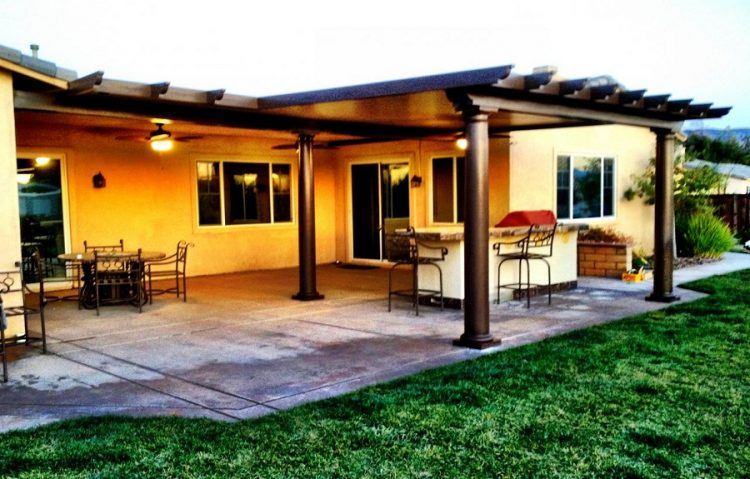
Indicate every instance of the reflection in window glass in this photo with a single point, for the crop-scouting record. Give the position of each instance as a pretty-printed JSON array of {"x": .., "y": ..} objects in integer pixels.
[
  {"x": 282, "y": 200},
  {"x": 608, "y": 191},
  {"x": 563, "y": 187},
  {"x": 587, "y": 186},
  {"x": 209, "y": 196},
  {"x": 460, "y": 184},
  {"x": 442, "y": 190},
  {"x": 246, "y": 193}
]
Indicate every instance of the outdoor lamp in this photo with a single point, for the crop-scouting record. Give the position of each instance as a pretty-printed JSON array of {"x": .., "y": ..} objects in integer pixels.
[
  {"x": 42, "y": 160},
  {"x": 462, "y": 143}
]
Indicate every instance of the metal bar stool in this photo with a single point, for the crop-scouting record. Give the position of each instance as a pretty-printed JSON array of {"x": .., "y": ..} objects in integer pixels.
[
  {"x": 535, "y": 245},
  {"x": 402, "y": 249}
]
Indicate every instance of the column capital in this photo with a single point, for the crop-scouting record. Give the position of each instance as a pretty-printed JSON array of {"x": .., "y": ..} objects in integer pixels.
[
  {"x": 664, "y": 132},
  {"x": 305, "y": 134},
  {"x": 465, "y": 104}
]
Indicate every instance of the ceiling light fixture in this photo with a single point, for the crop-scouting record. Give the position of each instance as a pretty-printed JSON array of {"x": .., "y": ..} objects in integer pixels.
[
  {"x": 24, "y": 178},
  {"x": 462, "y": 143},
  {"x": 160, "y": 139},
  {"x": 42, "y": 160}
]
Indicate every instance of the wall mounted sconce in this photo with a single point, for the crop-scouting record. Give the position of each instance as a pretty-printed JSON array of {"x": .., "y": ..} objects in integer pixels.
[
  {"x": 99, "y": 180},
  {"x": 416, "y": 181}
]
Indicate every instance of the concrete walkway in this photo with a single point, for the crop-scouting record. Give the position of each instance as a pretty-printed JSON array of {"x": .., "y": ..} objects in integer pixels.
[{"x": 241, "y": 348}]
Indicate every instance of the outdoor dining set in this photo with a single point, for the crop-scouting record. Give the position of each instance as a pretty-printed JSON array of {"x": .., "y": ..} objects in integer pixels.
[{"x": 98, "y": 275}]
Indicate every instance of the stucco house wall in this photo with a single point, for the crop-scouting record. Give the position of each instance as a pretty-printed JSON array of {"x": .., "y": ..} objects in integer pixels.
[{"x": 533, "y": 157}]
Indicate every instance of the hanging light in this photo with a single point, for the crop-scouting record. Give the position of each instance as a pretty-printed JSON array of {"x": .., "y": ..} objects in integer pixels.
[
  {"x": 160, "y": 139},
  {"x": 462, "y": 143},
  {"x": 24, "y": 178},
  {"x": 42, "y": 160}
]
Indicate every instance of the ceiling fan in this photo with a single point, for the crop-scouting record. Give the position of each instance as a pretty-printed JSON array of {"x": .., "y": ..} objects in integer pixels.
[{"x": 159, "y": 139}]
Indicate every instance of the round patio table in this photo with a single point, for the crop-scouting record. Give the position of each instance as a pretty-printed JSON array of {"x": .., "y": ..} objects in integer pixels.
[{"x": 87, "y": 294}]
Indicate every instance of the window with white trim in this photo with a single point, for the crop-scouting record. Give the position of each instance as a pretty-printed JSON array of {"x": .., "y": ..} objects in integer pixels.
[
  {"x": 585, "y": 186},
  {"x": 241, "y": 193},
  {"x": 448, "y": 189}
]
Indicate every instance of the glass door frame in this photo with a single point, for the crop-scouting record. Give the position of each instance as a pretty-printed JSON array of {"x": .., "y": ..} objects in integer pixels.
[
  {"x": 54, "y": 154},
  {"x": 379, "y": 161}
]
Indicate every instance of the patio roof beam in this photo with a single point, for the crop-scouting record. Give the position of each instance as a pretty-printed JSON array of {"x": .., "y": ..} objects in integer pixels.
[
  {"x": 158, "y": 89},
  {"x": 218, "y": 115},
  {"x": 563, "y": 107}
]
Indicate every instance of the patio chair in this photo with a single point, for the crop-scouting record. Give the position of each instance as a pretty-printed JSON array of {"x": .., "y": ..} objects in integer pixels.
[
  {"x": 402, "y": 249},
  {"x": 121, "y": 275},
  {"x": 72, "y": 276},
  {"x": 104, "y": 248},
  {"x": 14, "y": 282},
  {"x": 535, "y": 245},
  {"x": 174, "y": 267}
]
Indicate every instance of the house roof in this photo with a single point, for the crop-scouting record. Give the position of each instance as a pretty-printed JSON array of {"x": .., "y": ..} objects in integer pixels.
[
  {"x": 31, "y": 70},
  {"x": 408, "y": 108},
  {"x": 734, "y": 170}
]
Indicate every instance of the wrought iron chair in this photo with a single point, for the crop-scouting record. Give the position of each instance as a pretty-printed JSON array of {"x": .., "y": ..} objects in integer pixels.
[
  {"x": 123, "y": 276},
  {"x": 402, "y": 249},
  {"x": 535, "y": 245},
  {"x": 177, "y": 264},
  {"x": 104, "y": 248},
  {"x": 14, "y": 282}
]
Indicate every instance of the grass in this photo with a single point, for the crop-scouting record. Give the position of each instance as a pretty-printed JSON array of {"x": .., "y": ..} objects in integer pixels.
[{"x": 664, "y": 394}]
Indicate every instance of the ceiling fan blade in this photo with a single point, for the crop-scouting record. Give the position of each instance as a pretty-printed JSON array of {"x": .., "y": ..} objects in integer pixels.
[
  {"x": 131, "y": 138},
  {"x": 187, "y": 138}
]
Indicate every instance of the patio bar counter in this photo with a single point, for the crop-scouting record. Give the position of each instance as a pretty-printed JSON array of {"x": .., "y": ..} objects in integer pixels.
[{"x": 563, "y": 260}]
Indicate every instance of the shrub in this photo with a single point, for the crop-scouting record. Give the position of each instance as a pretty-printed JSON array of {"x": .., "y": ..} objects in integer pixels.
[
  {"x": 604, "y": 235},
  {"x": 706, "y": 236}
]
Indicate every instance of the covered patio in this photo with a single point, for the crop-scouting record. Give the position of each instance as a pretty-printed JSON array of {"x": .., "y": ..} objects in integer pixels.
[{"x": 235, "y": 351}]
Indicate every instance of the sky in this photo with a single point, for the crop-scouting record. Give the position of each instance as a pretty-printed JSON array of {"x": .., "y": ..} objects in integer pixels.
[{"x": 691, "y": 48}]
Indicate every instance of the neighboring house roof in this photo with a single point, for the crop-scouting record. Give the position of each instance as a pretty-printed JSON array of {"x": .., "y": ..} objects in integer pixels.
[{"x": 735, "y": 170}]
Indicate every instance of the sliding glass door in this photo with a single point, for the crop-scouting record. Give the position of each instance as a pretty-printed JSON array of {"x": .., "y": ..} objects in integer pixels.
[{"x": 380, "y": 200}]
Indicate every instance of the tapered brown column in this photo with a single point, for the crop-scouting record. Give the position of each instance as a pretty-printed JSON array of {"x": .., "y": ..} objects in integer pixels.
[
  {"x": 663, "y": 218},
  {"x": 476, "y": 234},
  {"x": 306, "y": 221}
]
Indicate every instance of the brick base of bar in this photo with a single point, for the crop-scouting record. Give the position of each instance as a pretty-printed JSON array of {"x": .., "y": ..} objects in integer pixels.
[{"x": 607, "y": 260}]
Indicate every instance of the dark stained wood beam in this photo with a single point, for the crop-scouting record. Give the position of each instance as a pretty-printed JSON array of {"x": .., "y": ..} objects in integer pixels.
[
  {"x": 212, "y": 96},
  {"x": 678, "y": 105},
  {"x": 159, "y": 89},
  {"x": 568, "y": 87},
  {"x": 85, "y": 84},
  {"x": 536, "y": 80},
  {"x": 602, "y": 92},
  {"x": 655, "y": 101},
  {"x": 629, "y": 97},
  {"x": 716, "y": 112},
  {"x": 697, "y": 109}
]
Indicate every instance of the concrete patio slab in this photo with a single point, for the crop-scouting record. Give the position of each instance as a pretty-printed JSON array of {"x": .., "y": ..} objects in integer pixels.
[{"x": 241, "y": 348}]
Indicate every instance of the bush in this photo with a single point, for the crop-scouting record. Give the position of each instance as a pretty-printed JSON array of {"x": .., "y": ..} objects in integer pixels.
[
  {"x": 604, "y": 235},
  {"x": 706, "y": 236}
]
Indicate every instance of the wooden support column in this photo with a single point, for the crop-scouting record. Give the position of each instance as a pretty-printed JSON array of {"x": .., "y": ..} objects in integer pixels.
[
  {"x": 306, "y": 221},
  {"x": 664, "y": 218},
  {"x": 476, "y": 233}
]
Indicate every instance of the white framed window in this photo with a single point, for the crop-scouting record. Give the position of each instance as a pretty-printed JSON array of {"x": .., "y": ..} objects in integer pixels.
[
  {"x": 585, "y": 186},
  {"x": 234, "y": 193},
  {"x": 447, "y": 189}
]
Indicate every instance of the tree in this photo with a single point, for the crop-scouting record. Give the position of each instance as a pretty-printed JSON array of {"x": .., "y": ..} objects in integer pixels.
[{"x": 719, "y": 150}]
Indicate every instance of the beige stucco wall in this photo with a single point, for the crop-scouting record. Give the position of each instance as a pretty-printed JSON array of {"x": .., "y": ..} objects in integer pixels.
[
  {"x": 533, "y": 167},
  {"x": 150, "y": 198},
  {"x": 10, "y": 228},
  {"x": 419, "y": 154}
]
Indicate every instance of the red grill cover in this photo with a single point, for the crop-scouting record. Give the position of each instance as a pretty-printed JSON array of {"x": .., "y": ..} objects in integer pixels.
[{"x": 527, "y": 218}]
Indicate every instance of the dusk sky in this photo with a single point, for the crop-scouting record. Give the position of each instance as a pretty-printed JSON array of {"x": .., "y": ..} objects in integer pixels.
[{"x": 690, "y": 48}]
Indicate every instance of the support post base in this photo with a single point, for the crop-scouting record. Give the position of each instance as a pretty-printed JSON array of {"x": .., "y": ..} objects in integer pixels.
[
  {"x": 314, "y": 296},
  {"x": 477, "y": 343},
  {"x": 662, "y": 298}
]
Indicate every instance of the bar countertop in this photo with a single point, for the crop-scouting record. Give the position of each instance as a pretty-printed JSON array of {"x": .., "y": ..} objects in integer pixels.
[{"x": 456, "y": 233}]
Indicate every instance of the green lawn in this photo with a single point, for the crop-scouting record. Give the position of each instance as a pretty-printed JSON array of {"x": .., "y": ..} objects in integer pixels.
[{"x": 665, "y": 394}]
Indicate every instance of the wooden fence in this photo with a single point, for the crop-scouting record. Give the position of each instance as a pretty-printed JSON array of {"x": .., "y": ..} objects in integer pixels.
[{"x": 734, "y": 209}]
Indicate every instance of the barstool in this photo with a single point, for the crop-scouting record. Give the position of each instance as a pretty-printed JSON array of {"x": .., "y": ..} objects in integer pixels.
[
  {"x": 402, "y": 249},
  {"x": 536, "y": 245}
]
